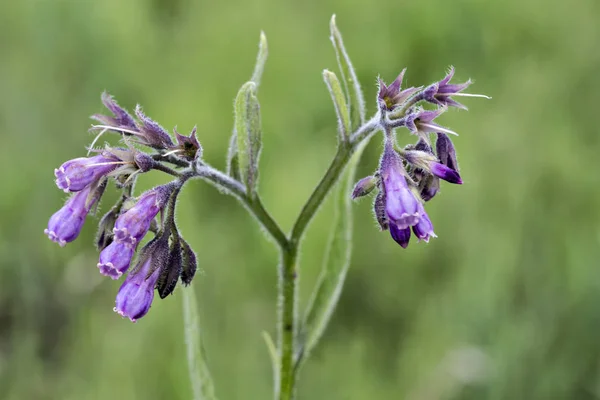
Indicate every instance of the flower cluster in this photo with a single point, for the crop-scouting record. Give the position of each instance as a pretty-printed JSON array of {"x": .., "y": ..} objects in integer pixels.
[
  {"x": 167, "y": 257},
  {"x": 410, "y": 176}
]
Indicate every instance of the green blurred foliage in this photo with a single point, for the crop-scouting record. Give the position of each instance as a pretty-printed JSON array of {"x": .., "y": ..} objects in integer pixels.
[{"x": 503, "y": 305}]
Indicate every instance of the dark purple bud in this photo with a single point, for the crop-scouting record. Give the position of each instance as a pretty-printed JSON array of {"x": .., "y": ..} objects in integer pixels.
[
  {"x": 152, "y": 134},
  {"x": 445, "y": 173},
  {"x": 188, "y": 147},
  {"x": 137, "y": 292},
  {"x": 430, "y": 186},
  {"x": 364, "y": 187},
  {"x": 133, "y": 225},
  {"x": 445, "y": 151},
  {"x": 115, "y": 259},
  {"x": 379, "y": 210},
  {"x": 401, "y": 236},
  {"x": 424, "y": 228},
  {"x": 104, "y": 236},
  {"x": 76, "y": 174},
  {"x": 144, "y": 161},
  {"x": 170, "y": 272},
  {"x": 391, "y": 96},
  {"x": 189, "y": 263},
  {"x": 65, "y": 225},
  {"x": 401, "y": 206},
  {"x": 121, "y": 117}
]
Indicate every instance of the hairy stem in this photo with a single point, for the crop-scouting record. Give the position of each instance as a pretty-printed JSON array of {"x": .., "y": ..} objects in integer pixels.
[
  {"x": 288, "y": 274},
  {"x": 287, "y": 325}
]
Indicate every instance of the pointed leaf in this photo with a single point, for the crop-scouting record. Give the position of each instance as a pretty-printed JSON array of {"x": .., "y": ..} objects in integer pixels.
[
  {"x": 261, "y": 59},
  {"x": 354, "y": 95},
  {"x": 200, "y": 378},
  {"x": 249, "y": 137},
  {"x": 335, "y": 266},
  {"x": 233, "y": 168},
  {"x": 339, "y": 102}
]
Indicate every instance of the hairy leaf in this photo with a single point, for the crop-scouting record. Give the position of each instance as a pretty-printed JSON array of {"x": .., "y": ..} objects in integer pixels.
[{"x": 202, "y": 384}]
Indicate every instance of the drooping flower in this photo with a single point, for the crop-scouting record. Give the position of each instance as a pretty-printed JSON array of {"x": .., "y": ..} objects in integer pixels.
[
  {"x": 75, "y": 175},
  {"x": 424, "y": 228},
  {"x": 402, "y": 209},
  {"x": 391, "y": 96},
  {"x": 132, "y": 225},
  {"x": 115, "y": 259},
  {"x": 65, "y": 225},
  {"x": 441, "y": 92},
  {"x": 135, "y": 296}
]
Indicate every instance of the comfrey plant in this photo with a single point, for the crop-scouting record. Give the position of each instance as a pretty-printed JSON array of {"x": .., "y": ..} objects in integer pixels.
[{"x": 405, "y": 179}]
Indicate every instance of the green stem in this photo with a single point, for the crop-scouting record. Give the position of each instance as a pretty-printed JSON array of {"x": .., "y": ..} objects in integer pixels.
[
  {"x": 287, "y": 319},
  {"x": 316, "y": 198},
  {"x": 288, "y": 274}
]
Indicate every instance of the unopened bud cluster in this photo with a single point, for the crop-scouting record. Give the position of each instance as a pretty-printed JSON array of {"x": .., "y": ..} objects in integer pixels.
[{"x": 410, "y": 176}]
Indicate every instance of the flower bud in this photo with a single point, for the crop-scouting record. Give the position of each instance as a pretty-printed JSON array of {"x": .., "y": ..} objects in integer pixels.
[
  {"x": 104, "y": 236},
  {"x": 379, "y": 210},
  {"x": 445, "y": 151},
  {"x": 144, "y": 161},
  {"x": 151, "y": 133},
  {"x": 189, "y": 263},
  {"x": 170, "y": 272},
  {"x": 364, "y": 187}
]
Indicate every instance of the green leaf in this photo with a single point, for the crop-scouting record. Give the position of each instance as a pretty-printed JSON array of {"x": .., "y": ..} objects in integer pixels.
[
  {"x": 249, "y": 136},
  {"x": 354, "y": 95},
  {"x": 339, "y": 102},
  {"x": 335, "y": 265},
  {"x": 200, "y": 378},
  {"x": 261, "y": 59},
  {"x": 233, "y": 166}
]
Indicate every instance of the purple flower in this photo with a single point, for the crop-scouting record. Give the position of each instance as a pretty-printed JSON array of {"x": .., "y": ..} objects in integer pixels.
[
  {"x": 137, "y": 292},
  {"x": 64, "y": 226},
  {"x": 133, "y": 225},
  {"x": 115, "y": 259},
  {"x": 421, "y": 122},
  {"x": 440, "y": 93},
  {"x": 402, "y": 209},
  {"x": 76, "y": 174},
  {"x": 391, "y": 96},
  {"x": 424, "y": 228}
]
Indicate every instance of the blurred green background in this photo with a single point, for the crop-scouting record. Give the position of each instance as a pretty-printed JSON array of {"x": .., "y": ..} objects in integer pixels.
[{"x": 505, "y": 304}]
